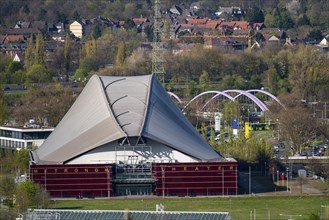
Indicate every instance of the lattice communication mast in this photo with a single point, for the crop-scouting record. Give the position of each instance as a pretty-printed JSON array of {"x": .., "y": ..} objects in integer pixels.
[{"x": 157, "y": 50}]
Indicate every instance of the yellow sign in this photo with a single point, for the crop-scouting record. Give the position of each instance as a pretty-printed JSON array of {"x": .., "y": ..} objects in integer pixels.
[{"x": 246, "y": 130}]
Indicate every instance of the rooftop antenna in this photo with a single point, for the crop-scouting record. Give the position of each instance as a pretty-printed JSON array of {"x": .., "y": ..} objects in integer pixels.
[{"x": 157, "y": 46}]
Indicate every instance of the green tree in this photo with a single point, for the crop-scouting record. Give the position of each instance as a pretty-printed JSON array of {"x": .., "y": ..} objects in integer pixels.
[
  {"x": 7, "y": 187},
  {"x": 76, "y": 16},
  {"x": 8, "y": 76},
  {"x": 22, "y": 159},
  {"x": 129, "y": 11},
  {"x": 204, "y": 131},
  {"x": 39, "y": 50},
  {"x": 29, "y": 53},
  {"x": 22, "y": 202},
  {"x": 166, "y": 29},
  {"x": 121, "y": 54},
  {"x": 97, "y": 32},
  {"x": 3, "y": 109},
  {"x": 31, "y": 195},
  {"x": 303, "y": 20},
  {"x": 255, "y": 15},
  {"x": 67, "y": 55},
  {"x": 308, "y": 72},
  {"x": 80, "y": 74},
  {"x": 41, "y": 14},
  {"x": 212, "y": 140},
  {"x": 315, "y": 34},
  {"x": 231, "y": 111},
  {"x": 18, "y": 77},
  {"x": 13, "y": 67},
  {"x": 47, "y": 105},
  {"x": 38, "y": 74},
  {"x": 204, "y": 81},
  {"x": 90, "y": 48},
  {"x": 191, "y": 89}
]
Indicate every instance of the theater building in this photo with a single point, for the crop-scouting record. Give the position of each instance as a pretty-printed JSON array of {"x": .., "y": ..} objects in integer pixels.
[{"x": 125, "y": 136}]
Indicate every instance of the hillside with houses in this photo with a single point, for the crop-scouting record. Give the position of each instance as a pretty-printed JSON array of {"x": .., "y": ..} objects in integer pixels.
[{"x": 94, "y": 35}]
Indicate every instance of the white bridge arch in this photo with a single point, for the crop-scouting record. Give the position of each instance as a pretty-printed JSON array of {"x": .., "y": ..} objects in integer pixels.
[{"x": 226, "y": 93}]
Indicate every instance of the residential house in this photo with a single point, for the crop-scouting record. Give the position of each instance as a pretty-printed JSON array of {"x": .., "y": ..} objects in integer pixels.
[
  {"x": 19, "y": 58},
  {"x": 175, "y": 9},
  {"x": 12, "y": 49},
  {"x": 50, "y": 48},
  {"x": 14, "y": 39},
  {"x": 257, "y": 26},
  {"x": 60, "y": 36},
  {"x": 212, "y": 42},
  {"x": 209, "y": 28},
  {"x": 224, "y": 13},
  {"x": 238, "y": 12},
  {"x": 40, "y": 25},
  {"x": 27, "y": 32},
  {"x": 57, "y": 32},
  {"x": 139, "y": 22},
  {"x": 235, "y": 43},
  {"x": 324, "y": 44},
  {"x": 23, "y": 24},
  {"x": 77, "y": 29},
  {"x": 187, "y": 28},
  {"x": 325, "y": 41},
  {"x": 197, "y": 21},
  {"x": 195, "y": 6},
  {"x": 55, "y": 28}
]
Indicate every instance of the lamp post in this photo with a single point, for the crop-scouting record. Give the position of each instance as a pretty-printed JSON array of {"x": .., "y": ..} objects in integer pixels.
[
  {"x": 290, "y": 216},
  {"x": 278, "y": 127},
  {"x": 163, "y": 181},
  {"x": 287, "y": 179},
  {"x": 108, "y": 180},
  {"x": 223, "y": 185}
]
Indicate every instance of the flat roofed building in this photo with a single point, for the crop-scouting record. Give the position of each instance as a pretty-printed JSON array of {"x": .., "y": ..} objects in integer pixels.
[{"x": 18, "y": 138}]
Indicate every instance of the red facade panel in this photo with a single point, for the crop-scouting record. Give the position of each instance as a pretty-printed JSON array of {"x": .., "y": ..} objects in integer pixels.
[
  {"x": 181, "y": 179},
  {"x": 86, "y": 180},
  {"x": 188, "y": 179}
]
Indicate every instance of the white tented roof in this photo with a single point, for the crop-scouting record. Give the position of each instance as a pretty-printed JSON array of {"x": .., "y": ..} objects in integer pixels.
[{"x": 111, "y": 108}]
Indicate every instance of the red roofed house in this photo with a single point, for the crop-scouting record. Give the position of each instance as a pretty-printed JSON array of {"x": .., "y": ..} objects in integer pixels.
[
  {"x": 193, "y": 21},
  {"x": 14, "y": 38}
]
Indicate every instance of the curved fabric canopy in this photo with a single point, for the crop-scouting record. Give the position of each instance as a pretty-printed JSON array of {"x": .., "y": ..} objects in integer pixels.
[{"x": 111, "y": 108}]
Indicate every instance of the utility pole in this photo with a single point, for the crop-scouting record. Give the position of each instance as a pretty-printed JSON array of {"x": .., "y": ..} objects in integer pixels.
[{"x": 157, "y": 46}]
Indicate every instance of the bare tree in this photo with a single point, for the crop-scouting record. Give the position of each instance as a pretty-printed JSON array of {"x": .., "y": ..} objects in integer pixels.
[
  {"x": 7, "y": 187},
  {"x": 301, "y": 180},
  {"x": 297, "y": 125}
]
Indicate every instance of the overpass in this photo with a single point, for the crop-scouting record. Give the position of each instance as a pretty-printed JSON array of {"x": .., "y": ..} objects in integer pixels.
[{"x": 306, "y": 160}]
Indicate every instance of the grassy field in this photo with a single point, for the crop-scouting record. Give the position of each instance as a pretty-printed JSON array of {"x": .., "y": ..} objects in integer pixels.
[{"x": 262, "y": 207}]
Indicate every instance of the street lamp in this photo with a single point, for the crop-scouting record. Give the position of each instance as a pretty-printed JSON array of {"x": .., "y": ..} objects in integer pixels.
[
  {"x": 290, "y": 216},
  {"x": 163, "y": 180},
  {"x": 223, "y": 185},
  {"x": 278, "y": 127},
  {"x": 287, "y": 179}
]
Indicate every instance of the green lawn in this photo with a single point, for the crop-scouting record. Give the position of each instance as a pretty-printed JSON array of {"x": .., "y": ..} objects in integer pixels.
[{"x": 265, "y": 207}]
